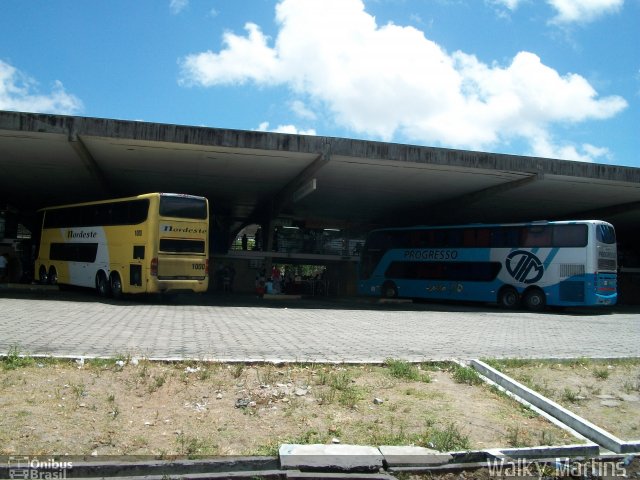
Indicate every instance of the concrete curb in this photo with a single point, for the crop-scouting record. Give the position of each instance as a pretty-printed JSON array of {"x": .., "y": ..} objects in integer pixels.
[
  {"x": 577, "y": 423},
  {"x": 119, "y": 468}
]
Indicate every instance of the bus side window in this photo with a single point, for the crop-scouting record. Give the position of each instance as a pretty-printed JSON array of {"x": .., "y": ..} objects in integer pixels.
[
  {"x": 483, "y": 237},
  {"x": 537, "y": 236},
  {"x": 469, "y": 237}
]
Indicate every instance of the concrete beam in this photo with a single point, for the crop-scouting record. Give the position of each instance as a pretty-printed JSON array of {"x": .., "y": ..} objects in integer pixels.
[
  {"x": 451, "y": 206},
  {"x": 90, "y": 164},
  {"x": 286, "y": 194}
]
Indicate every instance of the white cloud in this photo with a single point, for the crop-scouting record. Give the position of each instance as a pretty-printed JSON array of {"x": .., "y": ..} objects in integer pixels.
[
  {"x": 583, "y": 11},
  {"x": 19, "y": 92},
  {"x": 178, "y": 6},
  {"x": 264, "y": 127},
  {"x": 568, "y": 11},
  {"x": 301, "y": 110},
  {"x": 543, "y": 146},
  {"x": 389, "y": 81},
  {"x": 508, "y": 4}
]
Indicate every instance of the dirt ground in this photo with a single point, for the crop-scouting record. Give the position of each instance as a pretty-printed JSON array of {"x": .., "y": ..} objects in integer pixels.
[
  {"x": 607, "y": 393},
  {"x": 137, "y": 407}
]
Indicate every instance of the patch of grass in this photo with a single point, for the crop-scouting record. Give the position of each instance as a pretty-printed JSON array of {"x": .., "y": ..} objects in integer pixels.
[
  {"x": 349, "y": 397},
  {"x": 517, "y": 438},
  {"x": 547, "y": 438},
  {"x": 204, "y": 374},
  {"x": 542, "y": 389},
  {"x": 340, "y": 380},
  {"x": 601, "y": 373},
  {"x": 237, "y": 369},
  {"x": 15, "y": 359},
  {"x": 100, "y": 363},
  {"x": 157, "y": 383},
  {"x": 571, "y": 396},
  {"x": 405, "y": 370},
  {"x": 466, "y": 375},
  {"x": 269, "y": 449},
  {"x": 446, "y": 439},
  {"x": 402, "y": 369},
  {"x": 325, "y": 396},
  {"x": 631, "y": 386},
  {"x": 267, "y": 376},
  {"x": 507, "y": 363},
  {"x": 193, "y": 446}
]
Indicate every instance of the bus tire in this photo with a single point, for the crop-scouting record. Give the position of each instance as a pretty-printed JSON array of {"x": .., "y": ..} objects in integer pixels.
[
  {"x": 102, "y": 285},
  {"x": 389, "y": 290},
  {"x": 115, "y": 283},
  {"x": 53, "y": 276},
  {"x": 508, "y": 298},
  {"x": 42, "y": 274},
  {"x": 534, "y": 300}
]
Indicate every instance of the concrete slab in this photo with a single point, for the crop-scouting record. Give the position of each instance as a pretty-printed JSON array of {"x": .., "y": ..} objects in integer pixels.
[
  {"x": 411, "y": 456},
  {"x": 336, "y": 458}
]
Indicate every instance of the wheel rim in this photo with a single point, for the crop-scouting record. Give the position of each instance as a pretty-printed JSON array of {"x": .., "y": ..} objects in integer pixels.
[
  {"x": 53, "y": 277},
  {"x": 535, "y": 301},
  {"x": 42, "y": 273},
  {"x": 116, "y": 285},
  {"x": 390, "y": 291},
  {"x": 509, "y": 298},
  {"x": 102, "y": 285}
]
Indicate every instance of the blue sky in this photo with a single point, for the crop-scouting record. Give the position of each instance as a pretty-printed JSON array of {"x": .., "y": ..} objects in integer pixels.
[{"x": 552, "y": 78}]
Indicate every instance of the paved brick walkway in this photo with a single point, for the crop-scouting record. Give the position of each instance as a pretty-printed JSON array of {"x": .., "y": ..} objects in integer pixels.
[{"x": 75, "y": 324}]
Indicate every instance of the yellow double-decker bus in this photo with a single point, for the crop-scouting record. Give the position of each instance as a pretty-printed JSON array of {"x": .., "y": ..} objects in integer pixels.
[{"x": 157, "y": 242}]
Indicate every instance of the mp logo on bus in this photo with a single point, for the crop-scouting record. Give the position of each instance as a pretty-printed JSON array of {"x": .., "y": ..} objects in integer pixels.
[{"x": 524, "y": 266}]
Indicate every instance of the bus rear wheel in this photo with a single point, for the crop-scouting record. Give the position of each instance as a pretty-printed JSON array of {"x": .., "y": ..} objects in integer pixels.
[
  {"x": 116, "y": 285},
  {"x": 53, "y": 276},
  {"x": 102, "y": 285},
  {"x": 509, "y": 298},
  {"x": 389, "y": 290},
  {"x": 534, "y": 300}
]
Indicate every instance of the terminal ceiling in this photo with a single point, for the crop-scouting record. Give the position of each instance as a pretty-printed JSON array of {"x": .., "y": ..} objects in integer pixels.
[{"x": 248, "y": 176}]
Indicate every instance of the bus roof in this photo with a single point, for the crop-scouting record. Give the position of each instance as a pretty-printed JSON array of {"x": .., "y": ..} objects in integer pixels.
[
  {"x": 490, "y": 225},
  {"x": 121, "y": 199}
]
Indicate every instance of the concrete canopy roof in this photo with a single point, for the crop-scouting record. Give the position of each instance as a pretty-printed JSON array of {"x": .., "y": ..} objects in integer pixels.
[{"x": 51, "y": 159}]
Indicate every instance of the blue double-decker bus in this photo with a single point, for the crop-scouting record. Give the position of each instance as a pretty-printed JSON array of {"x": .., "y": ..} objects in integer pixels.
[{"x": 567, "y": 263}]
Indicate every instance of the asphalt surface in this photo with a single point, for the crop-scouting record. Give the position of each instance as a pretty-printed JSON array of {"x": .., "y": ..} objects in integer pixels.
[{"x": 247, "y": 329}]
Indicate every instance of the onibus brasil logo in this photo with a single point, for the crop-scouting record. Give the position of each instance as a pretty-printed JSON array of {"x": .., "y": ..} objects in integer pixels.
[{"x": 524, "y": 266}]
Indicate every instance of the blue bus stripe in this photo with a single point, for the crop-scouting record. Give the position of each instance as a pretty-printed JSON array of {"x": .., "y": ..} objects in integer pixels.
[{"x": 550, "y": 257}]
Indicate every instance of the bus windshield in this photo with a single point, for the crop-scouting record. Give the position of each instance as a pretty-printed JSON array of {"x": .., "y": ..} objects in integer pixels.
[
  {"x": 606, "y": 234},
  {"x": 179, "y": 206}
]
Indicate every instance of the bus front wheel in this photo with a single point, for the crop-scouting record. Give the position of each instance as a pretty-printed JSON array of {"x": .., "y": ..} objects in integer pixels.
[
  {"x": 534, "y": 300},
  {"x": 389, "y": 290},
  {"x": 509, "y": 298},
  {"x": 116, "y": 285},
  {"x": 42, "y": 274},
  {"x": 102, "y": 286}
]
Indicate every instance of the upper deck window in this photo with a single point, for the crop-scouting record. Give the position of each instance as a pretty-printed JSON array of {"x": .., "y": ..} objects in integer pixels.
[{"x": 183, "y": 207}]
